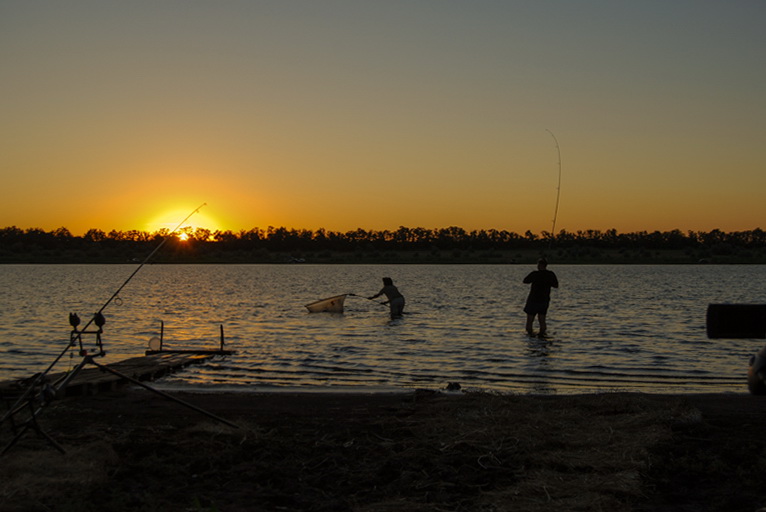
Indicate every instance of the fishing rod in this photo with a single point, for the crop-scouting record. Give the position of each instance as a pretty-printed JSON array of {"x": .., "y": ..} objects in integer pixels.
[
  {"x": 558, "y": 190},
  {"x": 146, "y": 260},
  {"x": 98, "y": 318}
]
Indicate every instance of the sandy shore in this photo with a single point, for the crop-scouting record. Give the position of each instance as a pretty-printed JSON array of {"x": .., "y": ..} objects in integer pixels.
[{"x": 418, "y": 451}]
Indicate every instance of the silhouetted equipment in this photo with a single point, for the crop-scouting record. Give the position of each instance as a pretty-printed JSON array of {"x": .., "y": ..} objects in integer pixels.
[
  {"x": 736, "y": 321},
  {"x": 75, "y": 337},
  {"x": 39, "y": 391},
  {"x": 742, "y": 321}
]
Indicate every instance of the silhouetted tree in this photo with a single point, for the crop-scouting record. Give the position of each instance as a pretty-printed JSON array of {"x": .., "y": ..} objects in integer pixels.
[{"x": 94, "y": 235}]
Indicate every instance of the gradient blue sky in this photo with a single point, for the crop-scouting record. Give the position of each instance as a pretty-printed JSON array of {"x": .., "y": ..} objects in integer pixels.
[{"x": 346, "y": 114}]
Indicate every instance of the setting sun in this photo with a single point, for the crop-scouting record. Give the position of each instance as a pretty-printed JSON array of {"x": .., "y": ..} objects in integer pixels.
[
  {"x": 170, "y": 220},
  {"x": 429, "y": 132}
]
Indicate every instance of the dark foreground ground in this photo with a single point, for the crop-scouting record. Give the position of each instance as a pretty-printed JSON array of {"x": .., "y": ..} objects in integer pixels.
[{"x": 420, "y": 451}]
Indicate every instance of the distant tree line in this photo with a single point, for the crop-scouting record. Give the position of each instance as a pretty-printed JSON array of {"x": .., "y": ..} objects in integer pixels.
[{"x": 198, "y": 244}]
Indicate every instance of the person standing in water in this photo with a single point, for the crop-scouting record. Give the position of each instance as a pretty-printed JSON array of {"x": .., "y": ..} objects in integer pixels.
[
  {"x": 542, "y": 280},
  {"x": 395, "y": 299}
]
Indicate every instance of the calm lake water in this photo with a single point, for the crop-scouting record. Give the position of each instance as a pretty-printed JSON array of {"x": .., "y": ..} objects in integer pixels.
[{"x": 638, "y": 328}]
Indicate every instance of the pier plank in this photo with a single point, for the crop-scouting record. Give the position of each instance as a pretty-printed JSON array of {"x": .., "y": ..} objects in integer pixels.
[{"x": 92, "y": 380}]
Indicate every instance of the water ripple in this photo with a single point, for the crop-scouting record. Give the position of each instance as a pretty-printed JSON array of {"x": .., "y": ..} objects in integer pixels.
[{"x": 612, "y": 327}]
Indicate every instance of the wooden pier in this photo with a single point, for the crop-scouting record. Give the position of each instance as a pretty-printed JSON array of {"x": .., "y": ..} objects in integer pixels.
[
  {"x": 93, "y": 380},
  {"x": 26, "y": 399}
]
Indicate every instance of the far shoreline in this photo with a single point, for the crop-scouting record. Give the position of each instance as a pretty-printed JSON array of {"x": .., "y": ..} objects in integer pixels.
[{"x": 582, "y": 256}]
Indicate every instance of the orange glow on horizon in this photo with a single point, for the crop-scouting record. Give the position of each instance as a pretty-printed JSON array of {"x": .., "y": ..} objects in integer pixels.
[
  {"x": 420, "y": 130},
  {"x": 170, "y": 220}
]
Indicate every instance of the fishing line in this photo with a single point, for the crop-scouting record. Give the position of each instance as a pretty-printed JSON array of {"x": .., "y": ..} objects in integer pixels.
[
  {"x": 146, "y": 260},
  {"x": 558, "y": 190}
]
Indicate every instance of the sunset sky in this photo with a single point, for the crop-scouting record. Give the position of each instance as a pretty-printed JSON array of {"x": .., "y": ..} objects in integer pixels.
[{"x": 360, "y": 114}]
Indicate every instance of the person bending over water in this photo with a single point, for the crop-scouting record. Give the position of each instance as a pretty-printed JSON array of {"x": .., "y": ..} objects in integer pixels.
[
  {"x": 395, "y": 299},
  {"x": 542, "y": 280}
]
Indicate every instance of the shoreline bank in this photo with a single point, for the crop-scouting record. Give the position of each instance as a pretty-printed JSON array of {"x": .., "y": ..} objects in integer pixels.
[{"x": 132, "y": 450}]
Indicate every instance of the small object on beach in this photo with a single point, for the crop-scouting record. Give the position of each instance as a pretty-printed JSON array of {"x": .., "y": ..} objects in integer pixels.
[
  {"x": 453, "y": 386},
  {"x": 756, "y": 372},
  {"x": 155, "y": 343}
]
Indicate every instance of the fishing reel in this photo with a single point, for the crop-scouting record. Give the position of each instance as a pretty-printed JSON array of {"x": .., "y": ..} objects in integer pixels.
[{"x": 738, "y": 321}]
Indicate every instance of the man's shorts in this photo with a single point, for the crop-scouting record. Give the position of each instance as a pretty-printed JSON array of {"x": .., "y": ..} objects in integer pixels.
[{"x": 536, "y": 308}]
